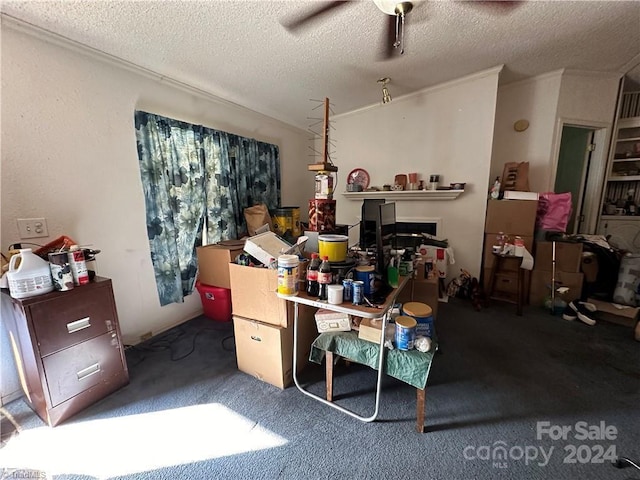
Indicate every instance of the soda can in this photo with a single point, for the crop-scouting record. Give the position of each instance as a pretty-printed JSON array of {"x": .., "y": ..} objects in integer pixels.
[
  {"x": 347, "y": 292},
  {"x": 358, "y": 291}
]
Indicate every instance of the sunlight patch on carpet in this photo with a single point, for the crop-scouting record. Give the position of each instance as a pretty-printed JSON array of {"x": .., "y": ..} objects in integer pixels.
[{"x": 138, "y": 443}]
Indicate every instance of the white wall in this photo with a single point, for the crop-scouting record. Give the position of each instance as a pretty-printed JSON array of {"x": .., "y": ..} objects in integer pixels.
[
  {"x": 548, "y": 101},
  {"x": 535, "y": 100},
  {"x": 446, "y": 130},
  {"x": 69, "y": 155}
]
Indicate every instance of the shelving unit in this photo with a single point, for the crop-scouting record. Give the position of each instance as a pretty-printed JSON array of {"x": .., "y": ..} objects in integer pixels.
[
  {"x": 405, "y": 194},
  {"x": 623, "y": 179}
]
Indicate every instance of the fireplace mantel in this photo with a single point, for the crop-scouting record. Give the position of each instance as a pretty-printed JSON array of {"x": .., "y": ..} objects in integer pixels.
[{"x": 405, "y": 195}]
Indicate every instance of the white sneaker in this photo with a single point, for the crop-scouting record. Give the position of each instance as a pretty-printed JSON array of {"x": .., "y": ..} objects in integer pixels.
[
  {"x": 568, "y": 314},
  {"x": 583, "y": 312}
]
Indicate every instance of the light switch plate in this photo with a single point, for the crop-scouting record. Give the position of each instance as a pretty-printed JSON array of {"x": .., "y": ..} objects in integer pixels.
[{"x": 32, "y": 227}]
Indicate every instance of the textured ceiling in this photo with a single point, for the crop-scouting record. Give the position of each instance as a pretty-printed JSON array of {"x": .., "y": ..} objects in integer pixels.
[{"x": 242, "y": 51}]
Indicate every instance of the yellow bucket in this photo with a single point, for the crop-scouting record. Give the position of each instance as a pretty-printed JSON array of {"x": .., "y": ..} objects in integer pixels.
[{"x": 333, "y": 246}]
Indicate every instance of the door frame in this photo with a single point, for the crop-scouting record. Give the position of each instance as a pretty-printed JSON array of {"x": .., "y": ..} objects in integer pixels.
[{"x": 594, "y": 187}]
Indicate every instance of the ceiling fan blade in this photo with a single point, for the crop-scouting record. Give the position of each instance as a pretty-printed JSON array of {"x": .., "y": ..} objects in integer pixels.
[
  {"x": 317, "y": 13},
  {"x": 387, "y": 50}
]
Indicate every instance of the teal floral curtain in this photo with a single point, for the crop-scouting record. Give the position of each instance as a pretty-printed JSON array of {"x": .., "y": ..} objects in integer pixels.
[{"x": 192, "y": 175}]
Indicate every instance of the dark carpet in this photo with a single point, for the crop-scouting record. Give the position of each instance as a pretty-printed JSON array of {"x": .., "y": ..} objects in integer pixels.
[{"x": 501, "y": 393}]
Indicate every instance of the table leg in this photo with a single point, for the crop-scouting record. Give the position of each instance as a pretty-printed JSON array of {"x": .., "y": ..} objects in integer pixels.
[
  {"x": 420, "y": 404},
  {"x": 329, "y": 369}
]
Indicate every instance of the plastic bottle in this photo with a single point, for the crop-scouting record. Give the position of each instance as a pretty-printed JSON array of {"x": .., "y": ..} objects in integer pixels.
[
  {"x": 324, "y": 277},
  {"x": 28, "y": 275},
  {"x": 494, "y": 193},
  {"x": 78, "y": 266},
  {"x": 313, "y": 287}
]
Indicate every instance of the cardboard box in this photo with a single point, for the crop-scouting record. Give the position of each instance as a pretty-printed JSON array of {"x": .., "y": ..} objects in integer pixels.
[
  {"x": 437, "y": 256},
  {"x": 541, "y": 283},
  {"x": 330, "y": 321},
  {"x": 513, "y": 217},
  {"x": 266, "y": 351},
  {"x": 518, "y": 195},
  {"x": 253, "y": 295},
  {"x": 568, "y": 256},
  {"x": 425, "y": 291},
  {"x": 614, "y": 313},
  {"x": 267, "y": 247},
  {"x": 370, "y": 330},
  {"x": 213, "y": 263},
  {"x": 488, "y": 258}
]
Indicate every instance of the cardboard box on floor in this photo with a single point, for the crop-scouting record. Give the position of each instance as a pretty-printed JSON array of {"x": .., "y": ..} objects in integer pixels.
[
  {"x": 568, "y": 256},
  {"x": 619, "y": 314},
  {"x": 266, "y": 351},
  {"x": 513, "y": 217},
  {"x": 213, "y": 262},
  {"x": 424, "y": 290},
  {"x": 541, "y": 282}
]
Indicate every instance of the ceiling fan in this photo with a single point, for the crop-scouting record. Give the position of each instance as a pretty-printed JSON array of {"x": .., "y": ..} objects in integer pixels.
[{"x": 397, "y": 11}]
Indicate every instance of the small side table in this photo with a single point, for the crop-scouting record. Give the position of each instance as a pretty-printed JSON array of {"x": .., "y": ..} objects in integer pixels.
[{"x": 499, "y": 261}]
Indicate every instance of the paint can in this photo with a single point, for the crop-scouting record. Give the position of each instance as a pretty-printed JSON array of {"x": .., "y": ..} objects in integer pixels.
[
  {"x": 281, "y": 219},
  {"x": 423, "y": 315},
  {"x": 61, "y": 271},
  {"x": 405, "y": 334},
  {"x": 367, "y": 275},
  {"x": 78, "y": 266},
  {"x": 356, "y": 295},
  {"x": 288, "y": 274},
  {"x": 294, "y": 219}
]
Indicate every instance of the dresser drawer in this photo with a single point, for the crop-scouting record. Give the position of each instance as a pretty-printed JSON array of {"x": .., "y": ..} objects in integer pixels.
[
  {"x": 69, "y": 320},
  {"x": 75, "y": 369}
]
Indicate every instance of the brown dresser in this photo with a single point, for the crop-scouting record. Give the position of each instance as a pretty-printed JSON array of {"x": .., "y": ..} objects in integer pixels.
[{"x": 68, "y": 348}]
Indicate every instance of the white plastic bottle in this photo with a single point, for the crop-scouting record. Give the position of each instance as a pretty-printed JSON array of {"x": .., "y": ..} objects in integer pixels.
[{"x": 28, "y": 275}]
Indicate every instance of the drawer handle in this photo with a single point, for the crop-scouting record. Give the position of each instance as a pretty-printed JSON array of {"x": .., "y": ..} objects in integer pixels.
[
  {"x": 79, "y": 325},
  {"x": 90, "y": 370}
]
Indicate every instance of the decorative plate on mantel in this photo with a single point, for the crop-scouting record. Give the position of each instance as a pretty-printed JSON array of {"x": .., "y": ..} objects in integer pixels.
[{"x": 359, "y": 176}]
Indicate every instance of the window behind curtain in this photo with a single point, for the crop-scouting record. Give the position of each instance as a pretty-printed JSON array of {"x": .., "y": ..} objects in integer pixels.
[{"x": 191, "y": 176}]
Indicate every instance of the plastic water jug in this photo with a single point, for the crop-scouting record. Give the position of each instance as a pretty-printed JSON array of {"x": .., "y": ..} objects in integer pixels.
[{"x": 28, "y": 275}]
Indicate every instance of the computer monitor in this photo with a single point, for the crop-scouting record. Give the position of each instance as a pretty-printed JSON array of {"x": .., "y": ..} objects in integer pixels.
[
  {"x": 369, "y": 223},
  {"x": 385, "y": 237}
]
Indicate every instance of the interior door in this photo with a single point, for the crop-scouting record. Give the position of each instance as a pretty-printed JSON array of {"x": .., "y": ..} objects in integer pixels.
[{"x": 573, "y": 170}]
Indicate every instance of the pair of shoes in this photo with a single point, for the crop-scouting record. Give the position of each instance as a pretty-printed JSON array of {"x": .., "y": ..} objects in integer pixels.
[
  {"x": 583, "y": 311},
  {"x": 568, "y": 314}
]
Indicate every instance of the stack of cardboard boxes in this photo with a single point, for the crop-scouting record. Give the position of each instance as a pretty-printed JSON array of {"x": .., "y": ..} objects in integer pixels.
[
  {"x": 263, "y": 326},
  {"x": 568, "y": 260},
  {"x": 512, "y": 218}
]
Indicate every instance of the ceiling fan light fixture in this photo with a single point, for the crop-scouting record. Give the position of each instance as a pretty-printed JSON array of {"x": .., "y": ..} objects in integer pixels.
[
  {"x": 386, "y": 6},
  {"x": 386, "y": 96}
]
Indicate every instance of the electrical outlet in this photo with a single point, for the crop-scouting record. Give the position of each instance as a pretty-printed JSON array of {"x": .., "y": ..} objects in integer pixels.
[
  {"x": 145, "y": 336},
  {"x": 32, "y": 227}
]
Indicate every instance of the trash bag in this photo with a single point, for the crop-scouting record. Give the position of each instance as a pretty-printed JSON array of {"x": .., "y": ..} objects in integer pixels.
[{"x": 554, "y": 211}]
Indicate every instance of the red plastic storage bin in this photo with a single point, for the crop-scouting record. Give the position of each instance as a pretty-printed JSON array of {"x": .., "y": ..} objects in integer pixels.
[{"x": 216, "y": 302}]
